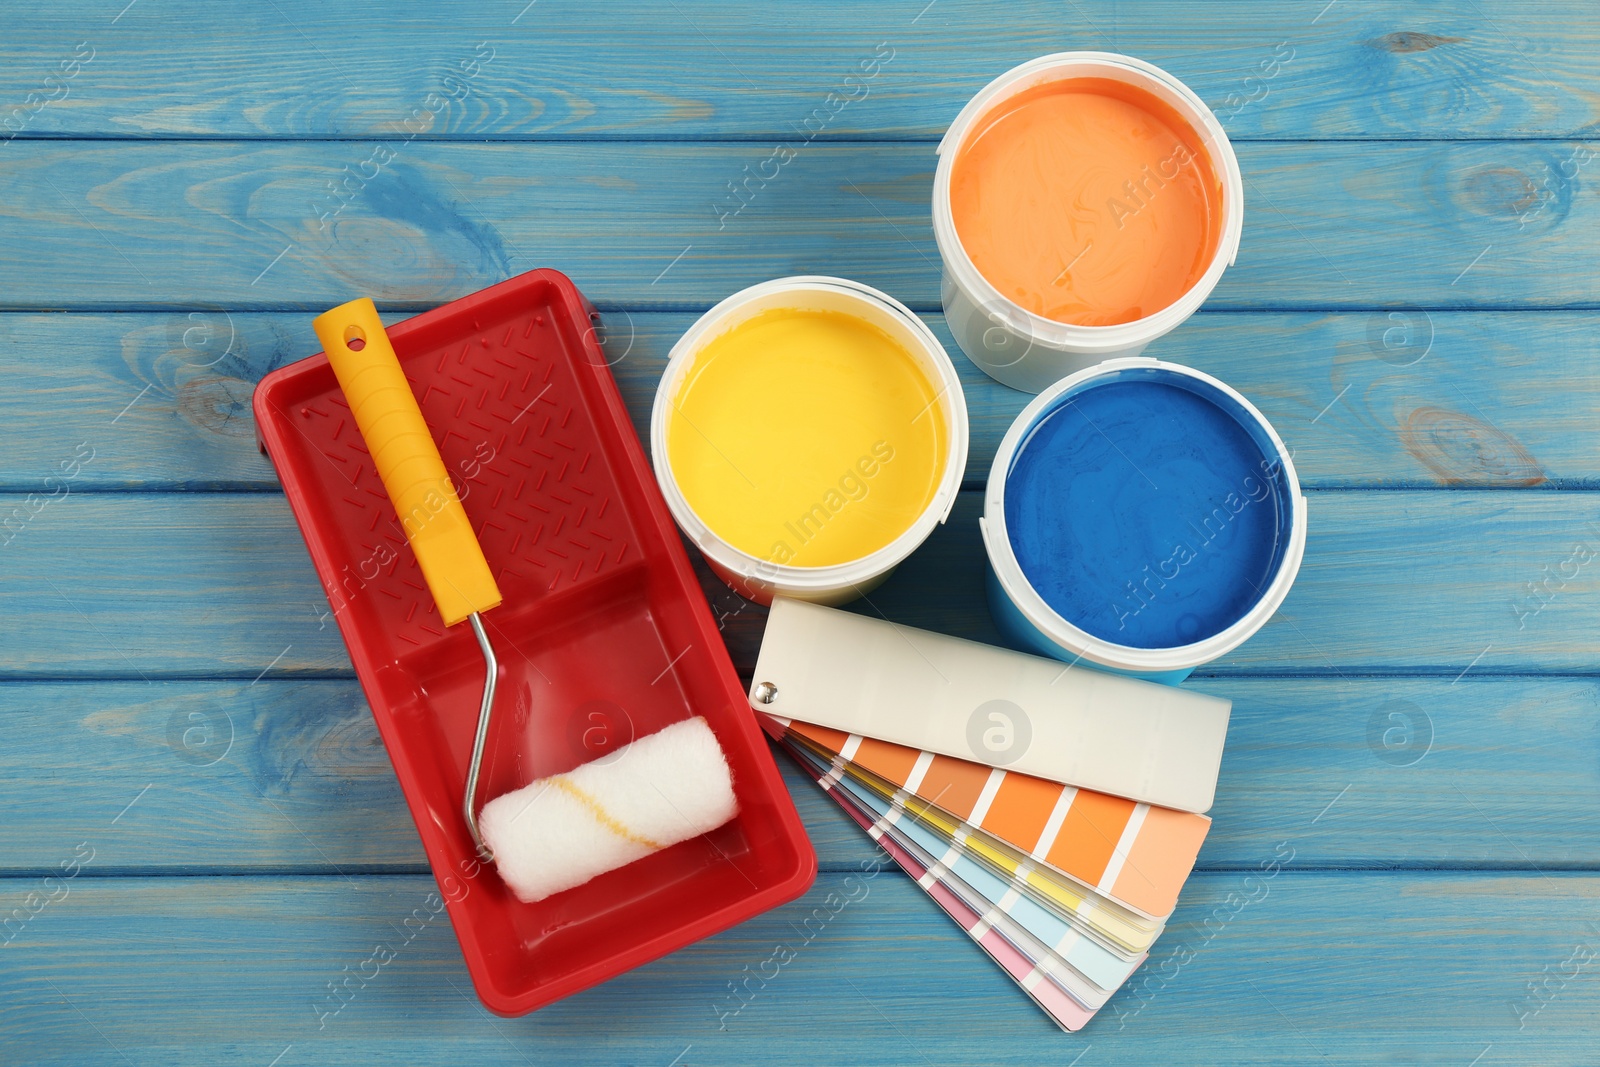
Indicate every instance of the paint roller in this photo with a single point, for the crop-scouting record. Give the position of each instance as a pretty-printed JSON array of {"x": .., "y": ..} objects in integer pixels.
[{"x": 553, "y": 833}]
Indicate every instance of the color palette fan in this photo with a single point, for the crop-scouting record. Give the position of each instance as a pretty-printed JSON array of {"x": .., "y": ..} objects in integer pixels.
[{"x": 1065, "y": 889}]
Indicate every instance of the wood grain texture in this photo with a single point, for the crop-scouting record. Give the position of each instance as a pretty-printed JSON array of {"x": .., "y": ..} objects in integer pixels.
[
  {"x": 1392, "y": 582},
  {"x": 116, "y": 584},
  {"x": 291, "y": 776},
  {"x": 623, "y": 70},
  {"x": 157, "y": 585},
  {"x": 1499, "y": 585},
  {"x": 1396, "y": 398},
  {"x": 108, "y": 225},
  {"x": 1415, "y": 737},
  {"x": 1267, "y": 970}
]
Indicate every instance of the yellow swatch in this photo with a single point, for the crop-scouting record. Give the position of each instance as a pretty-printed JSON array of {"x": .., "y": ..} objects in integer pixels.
[{"x": 807, "y": 438}]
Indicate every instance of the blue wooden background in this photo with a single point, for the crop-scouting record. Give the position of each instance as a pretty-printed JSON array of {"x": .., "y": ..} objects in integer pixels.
[{"x": 199, "y": 830}]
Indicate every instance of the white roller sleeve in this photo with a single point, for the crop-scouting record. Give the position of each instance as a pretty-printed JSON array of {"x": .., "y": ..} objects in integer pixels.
[
  {"x": 561, "y": 831},
  {"x": 1106, "y": 732}
]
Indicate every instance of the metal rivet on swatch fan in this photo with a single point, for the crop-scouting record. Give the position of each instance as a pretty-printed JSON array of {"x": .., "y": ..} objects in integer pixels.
[{"x": 766, "y": 692}]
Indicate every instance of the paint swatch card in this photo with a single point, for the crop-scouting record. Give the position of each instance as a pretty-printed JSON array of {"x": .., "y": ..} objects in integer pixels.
[
  {"x": 1062, "y": 1009},
  {"x": 1089, "y": 970},
  {"x": 1119, "y": 930},
  {"x": 1125, "y": 737},
  {"x": 1137, "y": 855}
]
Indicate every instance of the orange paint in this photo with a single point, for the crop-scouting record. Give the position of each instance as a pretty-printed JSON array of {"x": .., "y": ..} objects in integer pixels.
[
  {"x": 885, "y": 760},
  {"x": 1020, "y": 809},
  {"x": 1089, "y": 834},
  {"x": 832, "y": 740},
  {"x": 953, "y": 785},
  {"x": 1087, "y": 201},
  {"x": 1161, "y": 858}
]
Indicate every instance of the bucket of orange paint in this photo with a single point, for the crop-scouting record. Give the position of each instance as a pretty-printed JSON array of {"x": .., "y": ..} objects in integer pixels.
[
  {"x": 808, "y": 434},
  {"x": 1085, "y": 204}
]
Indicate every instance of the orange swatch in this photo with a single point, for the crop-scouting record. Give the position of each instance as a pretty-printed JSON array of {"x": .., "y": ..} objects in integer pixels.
[
  {"x": 1087, "y": 201},
  {"x": 1137, "y": 854}
]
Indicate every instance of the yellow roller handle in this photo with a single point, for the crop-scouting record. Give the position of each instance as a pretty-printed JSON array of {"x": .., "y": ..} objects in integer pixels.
[{"x": 414, "y": 476}]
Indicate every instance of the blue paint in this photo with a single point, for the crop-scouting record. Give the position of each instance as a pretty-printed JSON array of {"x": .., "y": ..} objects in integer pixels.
[{"x": 1148, "y": 509}]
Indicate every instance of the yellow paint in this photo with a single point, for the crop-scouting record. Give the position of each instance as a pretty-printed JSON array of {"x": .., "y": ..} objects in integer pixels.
[{"x": 807, "y": 438}]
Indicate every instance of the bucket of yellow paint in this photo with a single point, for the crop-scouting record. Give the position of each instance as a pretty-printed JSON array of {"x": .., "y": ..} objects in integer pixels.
[
  {"x": 1085, "y": 204},
  {"x": 808, "y": 434}
]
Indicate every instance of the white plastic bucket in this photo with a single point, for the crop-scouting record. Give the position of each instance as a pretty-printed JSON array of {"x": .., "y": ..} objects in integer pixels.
[
  {"x": 1015, "y": 346},
  {"x": 1023, "y": 615},
  {"x": 758, "y": 579}
]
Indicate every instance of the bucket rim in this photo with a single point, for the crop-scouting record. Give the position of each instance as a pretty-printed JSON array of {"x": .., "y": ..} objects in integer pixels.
[
  {"x": 1074, "y": 641},
  {"x": 764, "y": 576},
  {"x": 1049, "y": 333}
]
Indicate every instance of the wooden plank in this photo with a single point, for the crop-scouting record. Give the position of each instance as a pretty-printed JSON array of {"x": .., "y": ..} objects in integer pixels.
[
  {"x": 291, "y": 776},
  {"x": 1390, "y": 398},
  {"x": 1265, "y": 969},
  {"x": 118, "y": 226},
  {"x": 142, "y": 627},
  {"x": 1434, "y": 70},
  {"x": 276, "y": 776},
  {"x": 153, "y": 400},
  {"x": 144, "y": 585},
  {"x": 1393, "y": 582},
  {"x": 1381, "y": 398}
]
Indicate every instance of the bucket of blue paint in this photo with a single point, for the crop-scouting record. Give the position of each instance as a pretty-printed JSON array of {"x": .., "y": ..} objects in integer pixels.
[{"x": 1141, "y": 517}]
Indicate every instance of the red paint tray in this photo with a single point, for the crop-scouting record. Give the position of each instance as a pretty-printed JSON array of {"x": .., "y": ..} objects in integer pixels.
[{"x": 604, "y": 634}]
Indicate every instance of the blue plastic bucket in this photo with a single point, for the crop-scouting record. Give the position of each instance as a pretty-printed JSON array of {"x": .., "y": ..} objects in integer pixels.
[{"x": 1141, "y": 517}]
